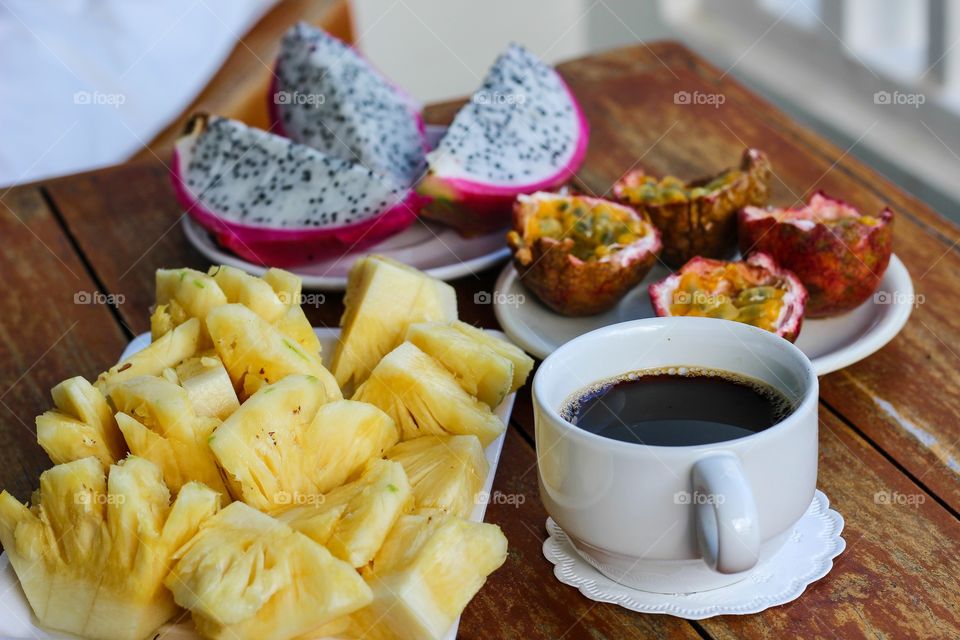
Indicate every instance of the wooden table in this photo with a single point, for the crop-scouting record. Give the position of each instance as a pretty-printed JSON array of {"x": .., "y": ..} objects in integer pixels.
[{"x": 890, "y": 425}]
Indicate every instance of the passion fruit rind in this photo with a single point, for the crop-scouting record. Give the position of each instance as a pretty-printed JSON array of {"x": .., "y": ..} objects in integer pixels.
[
  {"x": 580, "y": 255},
  {"x": 754, "y": 291},
  {"x": 698, "y": 218},
  {"x": 838, "y": 253}
]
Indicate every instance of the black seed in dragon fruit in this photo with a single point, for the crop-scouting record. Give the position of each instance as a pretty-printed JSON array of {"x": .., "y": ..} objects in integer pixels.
[
  {"x": 325, "y": 95},
  {"x": 277, "y": 202},
  {"x": 521, "y": 132}
]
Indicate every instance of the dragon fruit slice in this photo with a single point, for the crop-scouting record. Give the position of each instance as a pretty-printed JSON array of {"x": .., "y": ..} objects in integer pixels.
[
  {"x": 325, "y": 95},
  {"x": 521, "y": 132},
  {"x": 275, "y": 202}
]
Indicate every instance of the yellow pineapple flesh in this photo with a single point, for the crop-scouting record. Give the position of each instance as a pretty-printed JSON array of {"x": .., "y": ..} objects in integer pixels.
[
  {"x": 92, "y": 552},
  {"x": 256, "y": 353},
  {"x": 168, "y": 351},
  {"x": 246, "y": 575},
  {"x": 353, "y": 520},
  {"x": 383, "y": 298},
  {"x": 293, "y": 322},
  {"x": 446, "y": 472},
  {"x": 159, "y": 424},
  {"x": 275, "y": 297},
  {"x": 162, "y": 320},
  {"x": 292, "y": 441},
  {"x": 187, "y": 293},
  {"x": 522, "y": 363},
  {"x": 425, "y": 574},
  {"x": 183, "y": 294},
  {"x": 82, "y": 425},
  {"x": 250, "y": 291},
  {"x": 208, "y": 386},
  {"x": 479, "y": 370},
  {"x": 423, "y": 398}
]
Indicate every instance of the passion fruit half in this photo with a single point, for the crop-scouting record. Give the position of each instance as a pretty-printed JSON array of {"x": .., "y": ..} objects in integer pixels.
[
  {"x": 698, "y": 218},
  {"x": 580, "y": 255},
  {"x": 755, "y": 291},
  {"x": 838, "y": 253}
]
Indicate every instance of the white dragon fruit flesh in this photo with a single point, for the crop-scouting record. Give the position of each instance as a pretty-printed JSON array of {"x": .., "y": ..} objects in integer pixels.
[
  {"x": 276, "y": 202},
  {"x": 325, "y": 95},
  {"x": 521, "y": 132}
]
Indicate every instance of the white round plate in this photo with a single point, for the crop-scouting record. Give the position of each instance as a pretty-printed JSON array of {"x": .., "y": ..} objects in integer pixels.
[
  {"x": 830, "y": 343},
  {"x": 806, "y": 556},
  {"x": 438, "y": 250}
]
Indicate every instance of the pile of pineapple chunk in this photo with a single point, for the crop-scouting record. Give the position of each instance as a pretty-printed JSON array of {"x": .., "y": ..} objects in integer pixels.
[{"x": 223, "y": 470}]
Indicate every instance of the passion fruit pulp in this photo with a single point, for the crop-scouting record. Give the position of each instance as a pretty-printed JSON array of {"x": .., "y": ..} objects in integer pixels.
[
  {"x": 839, "y": 253},
  {"x": 755, "y": 292},
  {"x": 698, "y": 218},
  {"x": 580, "y": 255},
  {"x": 670, "y": 189}
]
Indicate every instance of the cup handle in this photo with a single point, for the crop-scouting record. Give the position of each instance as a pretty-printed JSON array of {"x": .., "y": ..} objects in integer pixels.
[{"x": 728, "y": 530}]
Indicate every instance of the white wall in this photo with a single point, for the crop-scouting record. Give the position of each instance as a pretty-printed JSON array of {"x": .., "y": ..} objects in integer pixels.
[{"x": 439, "y": 49}]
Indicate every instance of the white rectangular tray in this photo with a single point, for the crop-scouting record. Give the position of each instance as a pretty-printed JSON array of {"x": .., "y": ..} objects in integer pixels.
[{"x": 17, "y": 621}]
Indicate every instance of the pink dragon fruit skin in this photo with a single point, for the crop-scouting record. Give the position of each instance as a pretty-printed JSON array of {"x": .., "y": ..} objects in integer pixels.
[
  {"x": 302, "y": 220},
  {"x": 522, "y": 131},
  {"x": 324, "y": 94}
]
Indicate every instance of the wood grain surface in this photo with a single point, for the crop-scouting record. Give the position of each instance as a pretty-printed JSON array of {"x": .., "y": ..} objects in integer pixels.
[{"x": 890, "y": 433}]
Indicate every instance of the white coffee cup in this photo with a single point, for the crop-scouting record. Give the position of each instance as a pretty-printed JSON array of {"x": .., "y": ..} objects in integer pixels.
[{"x": 686, "y": 518}]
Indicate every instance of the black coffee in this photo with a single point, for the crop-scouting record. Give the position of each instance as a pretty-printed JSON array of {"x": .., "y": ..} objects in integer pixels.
[{"x": 677, "y": 407}]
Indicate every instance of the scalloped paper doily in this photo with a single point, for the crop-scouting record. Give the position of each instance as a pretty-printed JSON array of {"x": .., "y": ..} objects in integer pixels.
[{"x": 806, "y": 556}]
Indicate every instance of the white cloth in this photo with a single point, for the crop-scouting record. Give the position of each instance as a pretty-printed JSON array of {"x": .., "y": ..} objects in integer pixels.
[{"x": 86, "y": 83}]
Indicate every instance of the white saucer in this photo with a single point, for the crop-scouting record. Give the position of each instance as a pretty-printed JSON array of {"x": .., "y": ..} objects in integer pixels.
[
  {"x": 438, "y": 250},
  {"x": 806, "y": 556},
  {"x": 830, "y": 343}
]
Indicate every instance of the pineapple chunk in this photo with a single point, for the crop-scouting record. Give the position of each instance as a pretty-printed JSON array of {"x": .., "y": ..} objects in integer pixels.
[
  {"x": 183, "y": 294},
  {"x": 159, "y": 424},
  {"x": 187, "y": 293},
  {"x": 247, "y": 575},
  {"x": 91, "y": 553},
  {"x": 353, "y": 520},
  {"x": 255, "y": 353},
  {"x": 384, "y": 297},
  {"x": 161, "y": 321},
  {"x": 480, "y": 371},
  {"x": 293, "y": 440},
  {"x": 423, "y": 398},
  {"x": 522, "y": 363},
  {"x": 293, "y": 322},
  {"x": 168, "y": 351},
  {"x": 275, "y": 298},
  {"x": 425, "y": 574},
  {"x": 286, "y": 285},
  {"x": 250, "y": 291},
  {"x": 208, "y": 386},
  {"x": 446, "y": 472},
  {"x": 82, "y": 425}
]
